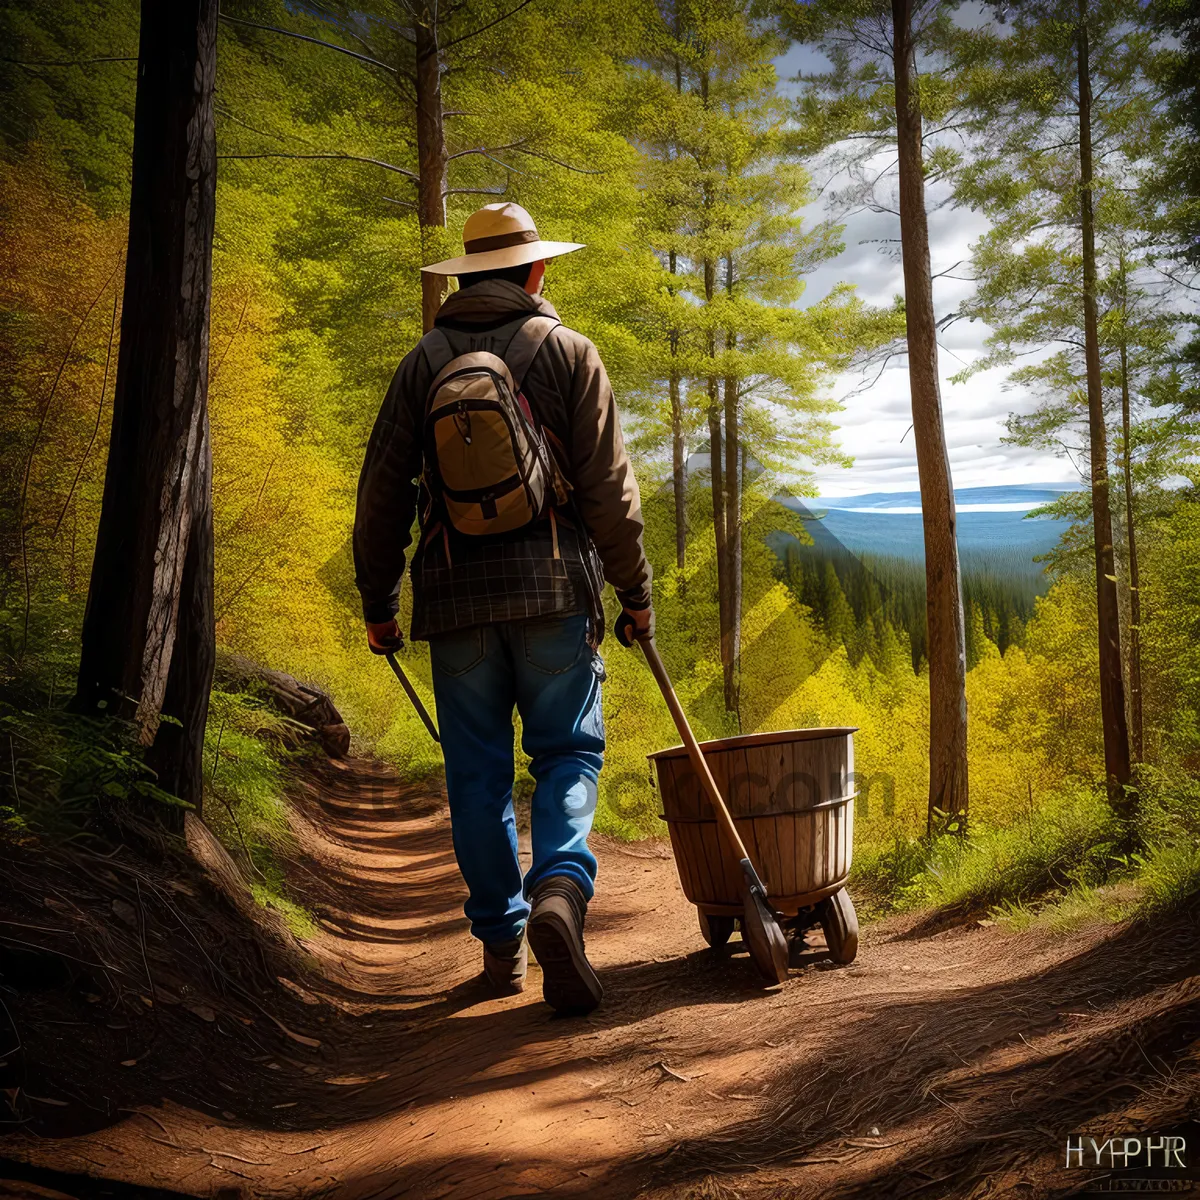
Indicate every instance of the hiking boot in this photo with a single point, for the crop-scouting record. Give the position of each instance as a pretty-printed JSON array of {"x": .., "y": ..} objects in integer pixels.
[
  {"x": 555, "y": 932},
  {"x": 504, "y": 964}
]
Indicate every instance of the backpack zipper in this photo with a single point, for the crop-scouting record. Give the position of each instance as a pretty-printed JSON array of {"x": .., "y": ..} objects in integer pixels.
[{"x": 462, "y": 422}]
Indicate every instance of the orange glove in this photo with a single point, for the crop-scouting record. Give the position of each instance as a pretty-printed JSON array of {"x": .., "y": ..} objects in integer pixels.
[{"x": 385, "y": 637}]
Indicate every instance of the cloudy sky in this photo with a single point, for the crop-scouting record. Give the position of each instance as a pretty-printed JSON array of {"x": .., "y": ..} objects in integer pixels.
[{"x": 875, "y": 425}]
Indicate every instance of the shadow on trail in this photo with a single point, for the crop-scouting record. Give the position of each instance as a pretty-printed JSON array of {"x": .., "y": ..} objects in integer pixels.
[
  {"x": 406, "y": 1021},
  {"x": 402, "y": 889},
  {"x": 395, "y": 880},
  {"x": 1003, "y": 1072},
  {"x": 390, "y": 1016}
]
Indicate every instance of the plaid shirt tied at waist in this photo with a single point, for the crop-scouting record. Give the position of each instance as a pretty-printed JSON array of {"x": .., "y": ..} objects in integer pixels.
[{"x": 459, "y": 582}]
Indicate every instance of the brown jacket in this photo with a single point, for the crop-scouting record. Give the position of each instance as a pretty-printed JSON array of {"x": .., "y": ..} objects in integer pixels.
[{"x": 569, "y": 392}]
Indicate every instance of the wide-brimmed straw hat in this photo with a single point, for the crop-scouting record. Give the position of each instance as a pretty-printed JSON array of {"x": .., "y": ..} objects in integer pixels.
[{"x": 500, "y": 235}]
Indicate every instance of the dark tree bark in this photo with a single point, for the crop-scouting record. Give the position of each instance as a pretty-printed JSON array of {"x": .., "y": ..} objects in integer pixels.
[
  {"x": 678, "y": 446},
  {"x": 177, "y": 753},
  {"x": 1137, "y": 745},
  {"x": 717, "y": 473},
  {"x": 948, "y": 790},
  {"x": 731, "y": 640},
  {"x": 144, "y": 654},
  {"x": 432, "y": 155},
  {"x": 1112, "y": 684},
  {"x": 731, "y": 632},
  {"x": 715, "y": 438},
  {"x": 678, "y": 468}
]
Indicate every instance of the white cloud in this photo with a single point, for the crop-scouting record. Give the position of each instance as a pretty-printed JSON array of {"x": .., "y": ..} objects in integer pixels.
[
  {"x": 875, "y": 427},
  {"x": 877, "y": 419}
]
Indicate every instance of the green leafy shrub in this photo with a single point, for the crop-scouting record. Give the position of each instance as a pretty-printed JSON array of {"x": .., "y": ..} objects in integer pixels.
[
  {"x": 62, "y": 773},
  {"x": 881, "y": 874},
  {"x": 1169, "y": 876},
  {"x": 1070, "y": 842},
  {"x": 245, "y": 804}
]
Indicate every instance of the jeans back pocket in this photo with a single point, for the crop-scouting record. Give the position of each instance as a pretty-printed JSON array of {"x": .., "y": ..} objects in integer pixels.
[
  {"x": 458, "y": 652},
  {"x": 554, "y": 646}
]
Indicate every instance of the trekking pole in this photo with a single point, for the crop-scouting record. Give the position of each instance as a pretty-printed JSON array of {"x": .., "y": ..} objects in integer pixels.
[
  {"x": 760, "y": 927},
  {"x": 412, "y": 695}
]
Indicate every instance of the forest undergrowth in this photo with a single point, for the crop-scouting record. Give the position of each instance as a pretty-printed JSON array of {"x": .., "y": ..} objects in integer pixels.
[{"x": 314, "y": 303}]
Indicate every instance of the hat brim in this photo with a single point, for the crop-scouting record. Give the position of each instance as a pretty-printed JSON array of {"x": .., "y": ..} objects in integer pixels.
[{"x": 509, "y": 256}]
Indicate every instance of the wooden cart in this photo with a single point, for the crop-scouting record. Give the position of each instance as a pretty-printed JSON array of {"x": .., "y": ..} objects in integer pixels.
[{"x": 791, "y": 797}]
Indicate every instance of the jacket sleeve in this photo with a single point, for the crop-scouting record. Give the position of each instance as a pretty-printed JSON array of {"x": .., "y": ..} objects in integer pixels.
[
  {"x": 605, "y": 487},
  {"x": 387, "y": 494}
]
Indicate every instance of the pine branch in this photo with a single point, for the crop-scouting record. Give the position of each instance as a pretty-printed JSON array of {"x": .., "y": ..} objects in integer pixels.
[
  {"x": 952, "y": 354},
  {"x": 112, "y": 331},
  {"x": 559, "y": 163},
  {"x": 229, "y": 115},
  {"x": 374, "y": 162},
  {"x": 66, "y": 62},
  {"x": 484, "y": 150},
  {"x": 333, "y": 20},
  {"x": 303, "y": 37},
  {"x": 476, "y": 191},
  {"x": 501, "y": 163},
  {"x": 484, "y": 28},
  {"x": 33, "y": 449}
]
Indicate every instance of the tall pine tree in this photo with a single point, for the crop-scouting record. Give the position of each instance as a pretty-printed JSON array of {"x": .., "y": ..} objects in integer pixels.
[
  {"x": 880, "y": 94},
  {"x": 727, "y": 190},
  {"x": 1065, "y": 100}
]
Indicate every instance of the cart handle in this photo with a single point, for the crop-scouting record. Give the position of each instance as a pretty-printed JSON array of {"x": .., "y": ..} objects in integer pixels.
[
  {"x": 659, "y": 672},
  {"x": 411, "y": 692}
]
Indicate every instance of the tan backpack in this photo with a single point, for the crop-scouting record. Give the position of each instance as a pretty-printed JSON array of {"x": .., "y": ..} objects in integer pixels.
[{"x": 487, "y": 461}]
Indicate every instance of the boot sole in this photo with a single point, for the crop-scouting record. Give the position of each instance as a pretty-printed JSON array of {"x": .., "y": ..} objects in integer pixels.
[{"x": 569, "y": 985}]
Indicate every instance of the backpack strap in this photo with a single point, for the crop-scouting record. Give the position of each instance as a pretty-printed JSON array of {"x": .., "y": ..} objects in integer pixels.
[
  {"x": 526, "y": 343},
  {"x": 438, "y": 351}
]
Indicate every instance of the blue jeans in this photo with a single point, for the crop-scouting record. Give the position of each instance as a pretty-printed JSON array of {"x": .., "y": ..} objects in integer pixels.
[{"x": 548, "y": 671}]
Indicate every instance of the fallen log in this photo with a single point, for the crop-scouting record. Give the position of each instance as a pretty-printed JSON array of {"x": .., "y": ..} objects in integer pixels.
[{"x": 303, "y": 703}]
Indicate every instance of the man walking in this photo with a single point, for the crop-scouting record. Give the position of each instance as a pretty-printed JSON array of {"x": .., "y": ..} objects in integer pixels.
[{"x": 500, "y": 431}]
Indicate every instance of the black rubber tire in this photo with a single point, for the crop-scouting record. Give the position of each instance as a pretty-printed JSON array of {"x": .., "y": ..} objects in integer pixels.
[
  {"x": 716, "y": 930},
  {"x": 796, "y": 948},
  {"x": 839, "y": 922}
]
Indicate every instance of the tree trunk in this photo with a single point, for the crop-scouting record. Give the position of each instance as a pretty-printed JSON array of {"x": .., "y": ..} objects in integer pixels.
[
  {"x": 432, "y": 160},
  {"x": 1137, "y": 746},
  {"x": 732, "y": 635},
  {"x": 177, "y": 754},
  {"x": 946, "y": 638},
  {"x": 678, "y": 447},
  {"x": 1112, "y": 686},
  {"x": 717, "y": 471},
  {"x": 678, "y": 470},
  {"x": 143, "y": 654},
  {"x": 719, "y": 490}
]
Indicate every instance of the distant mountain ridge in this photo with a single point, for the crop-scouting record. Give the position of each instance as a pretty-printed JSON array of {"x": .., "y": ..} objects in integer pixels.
[
  {"x": 1031, "y": 494},
  {"x": 983, "y": 531}
]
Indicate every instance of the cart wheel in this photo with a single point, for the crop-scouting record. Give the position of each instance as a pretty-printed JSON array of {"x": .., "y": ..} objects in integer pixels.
[
  {"x": 840, "y": 923},
  {"x": 716, "y": 930},
  {"x": 796, "y": 948}
]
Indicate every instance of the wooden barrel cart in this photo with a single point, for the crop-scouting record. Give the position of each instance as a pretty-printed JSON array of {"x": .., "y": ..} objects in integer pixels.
[{"x": 791, "y": 797}]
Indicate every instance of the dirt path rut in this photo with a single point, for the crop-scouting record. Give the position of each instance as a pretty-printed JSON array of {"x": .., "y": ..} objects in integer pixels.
[{"x": 440, "y": 1090}]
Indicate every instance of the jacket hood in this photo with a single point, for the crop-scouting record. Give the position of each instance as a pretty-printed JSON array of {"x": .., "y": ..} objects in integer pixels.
[{"x": 491, "y": 301}]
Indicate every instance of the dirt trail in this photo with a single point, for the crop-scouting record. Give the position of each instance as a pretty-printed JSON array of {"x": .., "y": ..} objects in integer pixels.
[{"x": 431, "y": 1088}]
